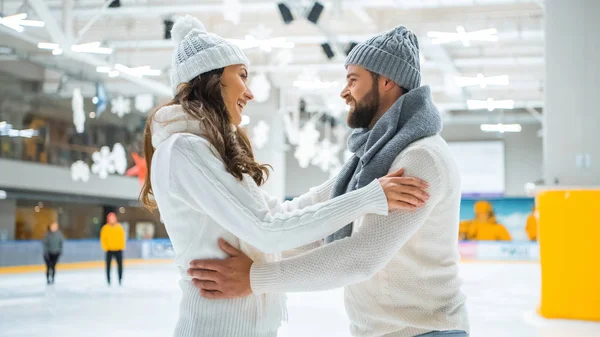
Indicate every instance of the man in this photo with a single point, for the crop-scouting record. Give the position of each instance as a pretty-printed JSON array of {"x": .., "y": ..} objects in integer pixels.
[
  {"x": 53, "y": 245},
  {"x": 400, "y": 271},
  {"x": 112, "y": 239}
]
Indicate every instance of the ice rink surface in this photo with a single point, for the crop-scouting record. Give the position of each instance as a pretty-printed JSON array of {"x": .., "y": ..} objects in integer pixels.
[{"x": 502, "y": 299}]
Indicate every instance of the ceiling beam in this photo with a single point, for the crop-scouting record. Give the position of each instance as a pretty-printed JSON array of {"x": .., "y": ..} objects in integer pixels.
[{"x": 131, "y": 9}]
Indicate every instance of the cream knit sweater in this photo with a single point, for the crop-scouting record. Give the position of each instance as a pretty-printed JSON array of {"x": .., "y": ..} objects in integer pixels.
[
  {"x": 400, "y": 271},
  {"x": 200, "y": 202}
]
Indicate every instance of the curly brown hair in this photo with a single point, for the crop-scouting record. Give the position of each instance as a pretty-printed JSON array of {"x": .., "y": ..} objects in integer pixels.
[{"x": 201, "y": 98}]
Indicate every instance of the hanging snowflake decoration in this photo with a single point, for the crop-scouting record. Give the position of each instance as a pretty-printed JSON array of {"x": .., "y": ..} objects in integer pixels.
[
  {"x": 119, "y": 158},
  {"x": 80, "y": 171},
  {"x": 260, "y": 134},
  {"x": 120, "y": 106},
  {"x": 144, "y": 102},
  {"x": 103, "y": 165},
  {"x": 284, "y": 57},
  {"x": 327, "y": 155},
  {"x": 307, "y": 144},
  {"x": 78, "y": 112},
  {"x": 260, "y": 87}
]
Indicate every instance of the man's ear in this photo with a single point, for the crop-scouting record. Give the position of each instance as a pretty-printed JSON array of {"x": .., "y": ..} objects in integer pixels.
[{"x": 388, "y": 84}]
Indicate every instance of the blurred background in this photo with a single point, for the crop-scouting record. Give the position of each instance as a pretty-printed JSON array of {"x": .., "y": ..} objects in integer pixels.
[{"x": 516, "y": 82}]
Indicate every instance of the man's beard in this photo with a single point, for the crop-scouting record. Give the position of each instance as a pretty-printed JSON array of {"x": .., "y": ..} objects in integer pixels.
[{"x": 365, "y": 110}]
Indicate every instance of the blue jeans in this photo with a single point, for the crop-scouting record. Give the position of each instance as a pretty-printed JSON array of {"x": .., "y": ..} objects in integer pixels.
[{"x": 453, "y": 333}]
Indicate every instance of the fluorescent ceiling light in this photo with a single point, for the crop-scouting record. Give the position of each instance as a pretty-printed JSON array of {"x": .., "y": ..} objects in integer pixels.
[
  {"x": 138, "y": 71},
  {"x": 502, "y": 128},
  {"x": 464, "y": 36},
  {"x": 481, "y": 81},
  {"x": 490, "y": 104},
  {"x": 17, "y": 21},
  {"x": 91, "y": 47},
  {"x": 46, "y": 45}
]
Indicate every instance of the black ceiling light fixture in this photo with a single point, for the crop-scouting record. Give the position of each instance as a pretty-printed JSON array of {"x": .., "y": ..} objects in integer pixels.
[
  {"x": 351, "y": 46},
  {"x": 168, "y": 26},
  {"x": 115, "y": 4},
  {"x": 315, "y": 12},
  {"x": 286, "y": 13},
  {"x": 327, "y": 50}
]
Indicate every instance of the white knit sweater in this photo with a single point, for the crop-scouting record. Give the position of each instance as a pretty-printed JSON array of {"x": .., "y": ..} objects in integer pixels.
[
  {"x": 200, "y": 202},
  {"x": 400, "y": 271}
]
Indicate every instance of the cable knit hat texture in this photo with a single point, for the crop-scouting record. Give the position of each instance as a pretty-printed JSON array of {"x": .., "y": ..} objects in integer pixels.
[
  {"x": 198, "y": 51},
  {"x": 393, "y": 54}
]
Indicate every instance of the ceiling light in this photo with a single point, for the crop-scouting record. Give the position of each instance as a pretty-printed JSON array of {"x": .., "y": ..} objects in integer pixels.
[
  {"x": 17, "y": 21},
  {"x": 92, "y": 114},
  {"x": 327, "y": 50},
  {"x": 2, "y": 194},
  {"x": 315, "y": 12},
  {"x": 91, "y": 47},
  {"x": 501, "y": 128},
  {"x": 57, "y": 51},
  {"x": 286, "y": 13},
  {"x": 463, "y": 36},
  {"x": 138, "y": 71},
  {"x": 481, "y": 80},
  {"x": 113, "y": 73},
  {"x": 490, "y": 104}
]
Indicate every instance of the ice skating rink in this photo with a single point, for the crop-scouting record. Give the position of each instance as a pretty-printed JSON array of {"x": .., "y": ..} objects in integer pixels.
[{"x": 502, "y": 298}]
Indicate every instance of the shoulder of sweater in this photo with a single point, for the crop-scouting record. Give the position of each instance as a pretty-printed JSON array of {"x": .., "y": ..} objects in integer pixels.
[
  {"x": 185, "y": 143},
  {"x": 430, "y": 148}
]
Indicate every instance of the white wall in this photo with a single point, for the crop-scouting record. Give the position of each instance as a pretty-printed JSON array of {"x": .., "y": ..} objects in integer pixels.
[
  {"x": 572, "y": 113},
  {"x": 523, "y": 159}
]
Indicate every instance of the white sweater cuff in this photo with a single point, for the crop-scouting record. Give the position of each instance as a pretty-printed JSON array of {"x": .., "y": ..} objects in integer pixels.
[
  {"x": 264, "y": 277},
  {"x": 322, "y": 192}
]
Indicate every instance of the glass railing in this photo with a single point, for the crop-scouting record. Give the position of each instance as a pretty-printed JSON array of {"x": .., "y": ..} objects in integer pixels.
[{"x": 37, "y": 150}]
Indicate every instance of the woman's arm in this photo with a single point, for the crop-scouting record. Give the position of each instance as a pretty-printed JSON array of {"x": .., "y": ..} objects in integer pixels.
[{"x": 199, "y": 179}]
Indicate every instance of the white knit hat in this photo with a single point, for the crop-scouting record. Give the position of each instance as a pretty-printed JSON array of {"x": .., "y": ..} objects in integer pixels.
[{"x": 198, "y": 51}]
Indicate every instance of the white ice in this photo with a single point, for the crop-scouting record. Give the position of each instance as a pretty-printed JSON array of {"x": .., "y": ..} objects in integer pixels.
[{"x": 502, "y": 301}]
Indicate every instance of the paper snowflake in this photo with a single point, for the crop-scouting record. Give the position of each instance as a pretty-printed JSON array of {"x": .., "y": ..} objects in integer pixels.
[
  {"x": 327, "y": 155},
  {"x": 260, "y": 134},
  {"x": 80, "y": 171},
  {"x": 103, "y": 165},
  {"x": 307, "y": 144},
  {"x": 144, "y": 102},
  {"x": 260, "y": 87},
  {"x": 78, "y": 112},
  {"x": 120, "y": 106},
  {"x": 119, "y": 158}
]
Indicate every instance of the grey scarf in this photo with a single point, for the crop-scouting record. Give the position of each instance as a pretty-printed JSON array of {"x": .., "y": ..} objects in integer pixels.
[{"x": 412, "y": 117}]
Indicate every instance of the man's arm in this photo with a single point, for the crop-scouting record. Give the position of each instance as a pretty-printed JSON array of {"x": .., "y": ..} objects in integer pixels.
[
  {"x": 338, "y": 264},
  {"x": 359, "y": 257}
]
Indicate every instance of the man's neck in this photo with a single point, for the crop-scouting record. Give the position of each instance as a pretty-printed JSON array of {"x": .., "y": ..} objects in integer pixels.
[{"x": 384, "y": 105}]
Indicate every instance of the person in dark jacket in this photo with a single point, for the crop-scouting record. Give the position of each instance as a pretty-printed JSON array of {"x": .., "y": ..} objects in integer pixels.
[{"x": 53, "y": 245}]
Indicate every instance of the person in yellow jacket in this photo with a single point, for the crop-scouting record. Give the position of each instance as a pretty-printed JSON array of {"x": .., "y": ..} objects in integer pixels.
[
  {"x": 466, "y": 228},
  {"x": 531, "y": 227},
  {"x": 112, "y": 239},
  {"x": 484, "y": 227}
]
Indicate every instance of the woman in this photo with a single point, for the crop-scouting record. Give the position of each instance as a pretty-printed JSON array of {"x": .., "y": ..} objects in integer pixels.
[
  {"x": 203, "y": 177},
  {"x": 53, "y": 244}
]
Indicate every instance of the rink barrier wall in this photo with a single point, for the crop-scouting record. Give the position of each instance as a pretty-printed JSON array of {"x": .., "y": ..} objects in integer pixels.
[{"x": 23, "y": 256}]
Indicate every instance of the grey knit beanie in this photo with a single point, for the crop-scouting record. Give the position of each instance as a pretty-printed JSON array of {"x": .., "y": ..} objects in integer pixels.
[
  {"x": 198, "y": 51},
  {"x": 393, "y": 54}
]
